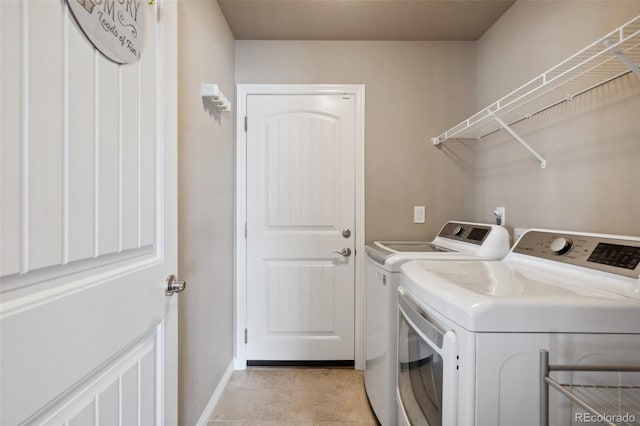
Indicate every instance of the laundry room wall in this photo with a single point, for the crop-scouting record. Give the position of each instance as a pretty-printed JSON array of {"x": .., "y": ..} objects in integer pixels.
[
  {"x": 413, "y": 91},
  {"x": 591, "y": 143},
  {"x": 205, "y": 144}
]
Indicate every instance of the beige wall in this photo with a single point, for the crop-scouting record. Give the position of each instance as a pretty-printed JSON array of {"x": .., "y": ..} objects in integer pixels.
[
  {"x": 413, "y": 91},
  {"x": 205, "y": 143},
  {"x": 591, "y": 144}
]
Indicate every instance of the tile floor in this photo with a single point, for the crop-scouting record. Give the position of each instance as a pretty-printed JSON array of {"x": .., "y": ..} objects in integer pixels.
[{"x": 295, "y": 396}]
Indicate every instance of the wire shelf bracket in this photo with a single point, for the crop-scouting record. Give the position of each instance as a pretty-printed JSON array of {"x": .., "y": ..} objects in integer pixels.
[
  {"x": 624, "y": 58},
  {"x": 505, "y": 126},
  {"x": 609, "y": 58}
]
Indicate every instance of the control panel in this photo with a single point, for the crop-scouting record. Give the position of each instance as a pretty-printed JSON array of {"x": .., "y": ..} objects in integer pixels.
[
  {"x": 474, "y": 234},
  {"x": 615, "y": 255}
]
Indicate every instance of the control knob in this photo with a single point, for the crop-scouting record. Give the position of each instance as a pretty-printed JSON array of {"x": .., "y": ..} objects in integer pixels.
[
  {"x": 560, "y": 246},
  {"x": 458, "y": 230}
]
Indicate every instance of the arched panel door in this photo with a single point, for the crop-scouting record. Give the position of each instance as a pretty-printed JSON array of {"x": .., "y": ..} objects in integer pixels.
[{"x": 300, "y": 199}]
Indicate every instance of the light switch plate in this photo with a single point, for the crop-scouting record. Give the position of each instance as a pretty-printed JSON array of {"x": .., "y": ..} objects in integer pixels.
[{"x": 419, "y": 214}]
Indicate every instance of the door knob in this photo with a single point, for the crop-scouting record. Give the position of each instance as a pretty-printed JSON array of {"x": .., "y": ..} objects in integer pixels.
[
  {"x": 346, "y": 252},
  {"x": 174, "y": 286}
]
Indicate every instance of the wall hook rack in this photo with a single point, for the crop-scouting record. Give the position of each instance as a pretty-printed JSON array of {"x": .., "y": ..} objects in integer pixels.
[{"x": 211, "y": 93}]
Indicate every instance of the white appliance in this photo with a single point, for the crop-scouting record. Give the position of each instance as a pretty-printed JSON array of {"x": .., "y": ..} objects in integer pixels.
[
  {"x": 472, "y": 331},
  {"x": 455, "y": 241}
]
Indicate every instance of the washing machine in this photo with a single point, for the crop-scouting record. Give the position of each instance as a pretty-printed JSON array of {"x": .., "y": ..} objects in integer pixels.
[
  {"x": 472, "y": 332},
  {"x": 454, "y": 241}
]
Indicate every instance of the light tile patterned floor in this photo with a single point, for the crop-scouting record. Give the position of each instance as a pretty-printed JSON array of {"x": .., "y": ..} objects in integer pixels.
[{"x": 296, "y": 396}]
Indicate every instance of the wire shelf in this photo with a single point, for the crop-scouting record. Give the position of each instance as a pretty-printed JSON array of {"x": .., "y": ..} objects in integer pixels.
[
  {"x": 612, "y": 405},
  {"x": 616, "y": 405},
  {"x": 610, "y": 57}
]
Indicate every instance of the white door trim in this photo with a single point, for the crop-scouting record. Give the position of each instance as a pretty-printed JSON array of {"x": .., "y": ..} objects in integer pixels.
[{"x": 240, "y": 290}]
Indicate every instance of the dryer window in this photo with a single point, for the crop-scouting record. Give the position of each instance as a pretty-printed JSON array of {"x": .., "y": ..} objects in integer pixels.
[{"x": 419, "y": 377}]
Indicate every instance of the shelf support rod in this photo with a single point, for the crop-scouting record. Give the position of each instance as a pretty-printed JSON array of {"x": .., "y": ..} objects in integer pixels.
[
  {"x": 624, "y": 58},
  {"x": 544, "y": 388},
  {"x": 543, "y": 162}
]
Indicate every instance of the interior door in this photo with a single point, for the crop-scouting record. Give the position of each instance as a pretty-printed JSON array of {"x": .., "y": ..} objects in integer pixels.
[
  {"x": 88, "y": 222},
  {"x": 300, "y": 199}
]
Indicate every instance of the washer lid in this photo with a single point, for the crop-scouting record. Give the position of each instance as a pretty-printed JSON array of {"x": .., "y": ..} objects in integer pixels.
[
  {"x": 455, "y": 241},
  {"x": 410, "y": 247},
  {"x": 497, "y": 296},
  {"x": 397, "y": 252}
]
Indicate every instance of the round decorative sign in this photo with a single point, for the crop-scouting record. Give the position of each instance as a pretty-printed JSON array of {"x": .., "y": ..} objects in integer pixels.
[{"x": 115, "y": 27}]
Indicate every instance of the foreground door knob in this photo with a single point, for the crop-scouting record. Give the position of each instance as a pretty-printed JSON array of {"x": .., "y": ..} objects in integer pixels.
[
  {"x": 174, "y": 286},
  {"x": 346, "y": 252}
]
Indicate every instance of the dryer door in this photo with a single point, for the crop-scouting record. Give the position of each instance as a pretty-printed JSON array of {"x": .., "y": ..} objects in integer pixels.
[{"x": 427, "y": 366}]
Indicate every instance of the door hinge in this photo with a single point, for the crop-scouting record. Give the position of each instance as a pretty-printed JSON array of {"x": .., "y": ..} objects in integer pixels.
[
  {"x": 245, "y": 229},
  {"x": 245, "y": 335},
  {"x": 246, "y": 125}
]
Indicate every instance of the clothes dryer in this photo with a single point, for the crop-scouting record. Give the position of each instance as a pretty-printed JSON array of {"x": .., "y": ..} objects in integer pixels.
[
  {"x": 455, "y": 241},
  {"x": 473, "y": 331}
]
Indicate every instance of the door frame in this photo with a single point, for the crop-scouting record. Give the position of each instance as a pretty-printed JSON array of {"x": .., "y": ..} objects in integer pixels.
[{"x": 240, "y": 279}]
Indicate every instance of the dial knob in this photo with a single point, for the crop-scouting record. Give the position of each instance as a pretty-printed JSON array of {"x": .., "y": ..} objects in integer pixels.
[
  {"x": 560, "y": 246},
  {"x": 458, "y": 230}
]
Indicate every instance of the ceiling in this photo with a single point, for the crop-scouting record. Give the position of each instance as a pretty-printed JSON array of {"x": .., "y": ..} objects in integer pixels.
[{"x": 437, "y": 20}]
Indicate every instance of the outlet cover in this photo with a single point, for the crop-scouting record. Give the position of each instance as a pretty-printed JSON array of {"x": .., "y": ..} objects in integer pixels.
[{"x": 517, "y": 232}]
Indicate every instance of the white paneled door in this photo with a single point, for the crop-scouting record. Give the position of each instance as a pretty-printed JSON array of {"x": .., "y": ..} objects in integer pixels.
[
  {"x": 300, "y": 199},
  {"x": 88, "y": 222}
]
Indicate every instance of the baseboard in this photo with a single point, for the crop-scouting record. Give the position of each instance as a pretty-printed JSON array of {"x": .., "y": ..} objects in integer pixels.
[{"x": 215, "y": 398}]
